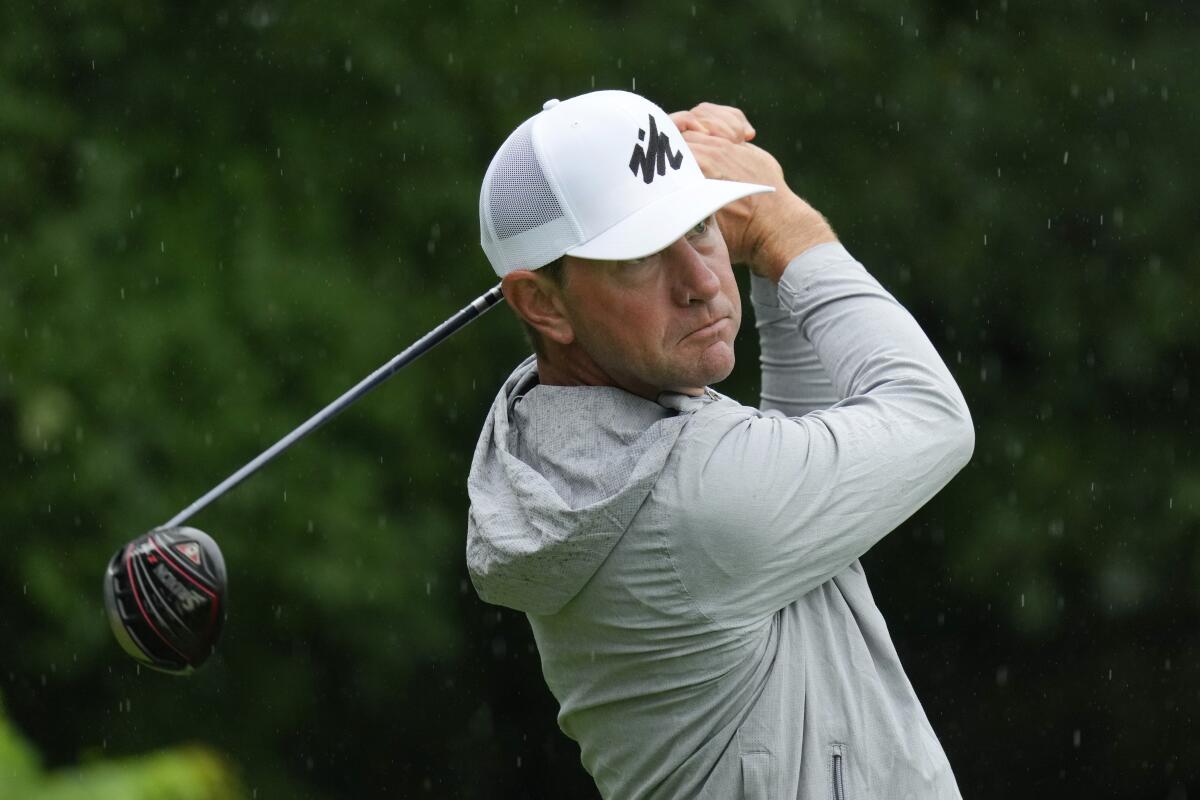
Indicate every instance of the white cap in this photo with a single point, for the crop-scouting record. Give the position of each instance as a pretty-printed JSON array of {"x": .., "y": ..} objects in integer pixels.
[{"x": 605, "y": 175}]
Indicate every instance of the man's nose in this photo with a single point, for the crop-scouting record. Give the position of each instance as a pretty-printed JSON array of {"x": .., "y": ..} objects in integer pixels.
[{"x": 694, "y": 280}]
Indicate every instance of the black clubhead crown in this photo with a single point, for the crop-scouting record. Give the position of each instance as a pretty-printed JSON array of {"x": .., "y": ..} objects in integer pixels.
[{"x": 165, "y": 593}]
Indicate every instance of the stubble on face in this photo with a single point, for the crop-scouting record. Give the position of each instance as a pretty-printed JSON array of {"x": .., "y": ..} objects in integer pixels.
[{"x": 665, "y": 323}]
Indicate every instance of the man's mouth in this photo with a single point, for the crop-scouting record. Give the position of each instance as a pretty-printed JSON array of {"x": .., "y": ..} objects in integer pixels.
[{"x": 710, "y": 329}]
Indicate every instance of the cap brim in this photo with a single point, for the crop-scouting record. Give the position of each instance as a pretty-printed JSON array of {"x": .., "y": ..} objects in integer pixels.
[{"x": 657, "y": 225}]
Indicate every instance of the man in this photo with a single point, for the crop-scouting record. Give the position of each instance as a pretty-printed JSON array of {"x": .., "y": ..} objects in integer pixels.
[{"x": 689, "y": 565}]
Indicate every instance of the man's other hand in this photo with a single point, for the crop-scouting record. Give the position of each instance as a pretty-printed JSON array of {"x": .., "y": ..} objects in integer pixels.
[{"x": 763, "y": 231}]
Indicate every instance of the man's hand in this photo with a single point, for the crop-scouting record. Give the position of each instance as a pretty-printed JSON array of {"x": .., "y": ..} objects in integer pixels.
[
  {"x": 726, "y": 122},
  {"x": 764, "y": 231}
]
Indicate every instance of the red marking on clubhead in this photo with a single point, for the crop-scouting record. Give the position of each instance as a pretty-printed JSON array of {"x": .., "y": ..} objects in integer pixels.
[{"x": 191, "y": 550}]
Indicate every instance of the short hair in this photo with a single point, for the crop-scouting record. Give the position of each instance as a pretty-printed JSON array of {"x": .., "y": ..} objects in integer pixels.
[{"x": 558, "y": 276}]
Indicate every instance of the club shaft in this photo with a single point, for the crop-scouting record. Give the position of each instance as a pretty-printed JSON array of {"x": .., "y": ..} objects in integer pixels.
[{"x": 418, "y": 348}]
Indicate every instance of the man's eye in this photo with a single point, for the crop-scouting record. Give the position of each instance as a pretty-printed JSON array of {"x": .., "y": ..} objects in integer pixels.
[{"x": 701, "y": 228}]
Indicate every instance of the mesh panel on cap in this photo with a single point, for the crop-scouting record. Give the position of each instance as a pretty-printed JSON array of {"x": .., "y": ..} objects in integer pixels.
[
  {"x": 520, "y": 197},
  {"x": 522, "y": 223}
]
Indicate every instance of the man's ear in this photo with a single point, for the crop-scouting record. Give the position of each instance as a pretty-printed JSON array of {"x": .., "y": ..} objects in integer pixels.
[{"x": 538, "y": 301}]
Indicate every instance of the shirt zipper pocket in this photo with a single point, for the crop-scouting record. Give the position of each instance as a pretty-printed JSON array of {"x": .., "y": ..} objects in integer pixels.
[{"x": 839, "y": 786}]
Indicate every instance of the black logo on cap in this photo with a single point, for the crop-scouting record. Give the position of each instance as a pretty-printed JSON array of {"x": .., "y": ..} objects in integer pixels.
[{"x": 655, "y": 156}]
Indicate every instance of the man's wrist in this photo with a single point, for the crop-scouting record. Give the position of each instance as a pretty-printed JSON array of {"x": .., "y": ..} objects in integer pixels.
[{"x": 798, "y": 228}]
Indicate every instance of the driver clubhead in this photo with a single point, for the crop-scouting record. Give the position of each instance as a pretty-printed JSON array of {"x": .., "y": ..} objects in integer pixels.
[{"x": 165, "y": 593}]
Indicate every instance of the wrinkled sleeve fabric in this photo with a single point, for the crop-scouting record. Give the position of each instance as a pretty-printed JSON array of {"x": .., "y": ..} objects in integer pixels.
[
  {"x": 770, "y": 504},
  {"x": 794, "y": 381}
]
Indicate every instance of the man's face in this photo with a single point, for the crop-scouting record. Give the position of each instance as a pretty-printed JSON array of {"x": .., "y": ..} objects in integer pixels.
[{"x": 664, "y": 322}]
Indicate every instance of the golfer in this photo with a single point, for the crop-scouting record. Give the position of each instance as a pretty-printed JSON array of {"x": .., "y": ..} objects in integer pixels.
[{"x": 689, "y": 564}]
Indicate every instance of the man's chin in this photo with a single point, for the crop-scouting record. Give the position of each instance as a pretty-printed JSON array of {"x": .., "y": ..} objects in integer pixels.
[
  {"x": 716, "y": 364},
  {"x": 718, "y": 360}
]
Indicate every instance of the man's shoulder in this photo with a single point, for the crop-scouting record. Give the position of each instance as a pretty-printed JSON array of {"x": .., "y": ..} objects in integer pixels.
[{"x": 722, "y": 428}]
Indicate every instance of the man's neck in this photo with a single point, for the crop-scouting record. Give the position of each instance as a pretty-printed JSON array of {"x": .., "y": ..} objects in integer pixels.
[{"x": 583, "y": 371}]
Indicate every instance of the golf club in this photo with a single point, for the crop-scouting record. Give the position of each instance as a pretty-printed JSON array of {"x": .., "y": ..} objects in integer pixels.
[{"x": 165, "y": 592}]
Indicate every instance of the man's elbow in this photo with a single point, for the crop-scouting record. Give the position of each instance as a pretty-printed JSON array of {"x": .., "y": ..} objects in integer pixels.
[{"x": 960, "y": 435}]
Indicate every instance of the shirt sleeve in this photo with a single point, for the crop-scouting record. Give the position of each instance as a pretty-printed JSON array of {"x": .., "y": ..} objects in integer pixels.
[
  {"x": 794, "y": 382},
  {"x": 767, "y": 507}
]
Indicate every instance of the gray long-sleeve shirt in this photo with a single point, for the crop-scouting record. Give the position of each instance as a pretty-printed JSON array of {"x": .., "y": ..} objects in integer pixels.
[{"x": 690, "y": 567}]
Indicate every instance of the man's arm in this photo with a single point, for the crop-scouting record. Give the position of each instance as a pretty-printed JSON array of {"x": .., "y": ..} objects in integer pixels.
[
  {"x": 770, "y": 507},
  {"x": 774, "y": 506},
  {"x": 794, "y": 382}
]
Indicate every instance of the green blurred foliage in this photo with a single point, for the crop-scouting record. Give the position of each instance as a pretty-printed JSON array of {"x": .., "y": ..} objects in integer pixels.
[
  {"x": 213, "y": 219},
  {"x": 184, "y": 773}
]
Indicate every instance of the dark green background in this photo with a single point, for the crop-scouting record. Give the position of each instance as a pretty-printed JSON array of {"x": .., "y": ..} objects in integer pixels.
[{"x": 213, "y": 219}]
